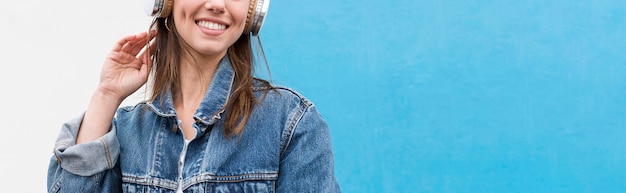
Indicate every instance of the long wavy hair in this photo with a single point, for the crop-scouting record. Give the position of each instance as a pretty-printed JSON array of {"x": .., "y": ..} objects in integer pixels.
[{"x": 165, "y": 74}]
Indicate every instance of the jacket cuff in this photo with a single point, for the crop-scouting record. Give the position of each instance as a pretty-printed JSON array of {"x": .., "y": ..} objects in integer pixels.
[{"x": 85, "y": 159}]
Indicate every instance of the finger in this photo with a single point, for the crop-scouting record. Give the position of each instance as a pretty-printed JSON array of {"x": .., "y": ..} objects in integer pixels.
[
  {"x": 146, "y": 60},
  {"x": 147, "y": 52},
  {"x": 139, "y": 44},
  {"x": 149, "y": 39},
  {"x": 122, "y": 59},
  {"x": 152, "y": 34},
  {"x": 149, "y": 47},
  {"x": 122, "y": 42},
  {"x": 145, "y": 68},
  {"x": 128, "y": 43},
  {"x": 134, "y": 46}
]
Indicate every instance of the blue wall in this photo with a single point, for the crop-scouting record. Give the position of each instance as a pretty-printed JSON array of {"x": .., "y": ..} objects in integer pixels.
[{"x": 462, "y": 96}]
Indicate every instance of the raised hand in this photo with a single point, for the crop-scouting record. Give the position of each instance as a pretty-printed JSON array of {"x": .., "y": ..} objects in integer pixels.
[
  {"x": 124, "y": 71},
  {"x": 127, "y": 66}
]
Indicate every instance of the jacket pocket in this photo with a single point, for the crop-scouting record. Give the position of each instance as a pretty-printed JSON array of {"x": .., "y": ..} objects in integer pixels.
[{"x": 257, "y": 186}]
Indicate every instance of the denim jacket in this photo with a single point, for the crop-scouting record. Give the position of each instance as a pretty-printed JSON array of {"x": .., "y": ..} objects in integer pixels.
[{"x": 285, "y": 147}]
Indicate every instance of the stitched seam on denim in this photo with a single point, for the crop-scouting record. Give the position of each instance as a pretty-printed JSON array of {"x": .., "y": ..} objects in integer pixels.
[
  {"x": 107, "y": 155},
  {"x": 57, "y": 184},
  {"x": 288, "y": 134},
  {"x": 157, "y": 144},
  {"x": 150, "y": 181},
  {"x": 300, "y": 97},
  {"x": 291, "y": 128},
  {"x": 158, "y": 112},
  {"x": 236, "y": 178},
  {"x": 261, "y": 88},
  {"x": 273, "y": 185},
  {"x": 96, "y": 179}
]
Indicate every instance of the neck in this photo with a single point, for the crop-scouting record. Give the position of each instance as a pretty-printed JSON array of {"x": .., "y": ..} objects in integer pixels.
[{"x": 196, "y": 75}]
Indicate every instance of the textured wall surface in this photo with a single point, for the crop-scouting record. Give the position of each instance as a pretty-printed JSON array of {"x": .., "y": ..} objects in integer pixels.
[{"x": 462, "y": 96}]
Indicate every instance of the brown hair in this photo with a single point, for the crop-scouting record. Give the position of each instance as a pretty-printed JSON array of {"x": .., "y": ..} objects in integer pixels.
[{"x": 166, "y": 75}]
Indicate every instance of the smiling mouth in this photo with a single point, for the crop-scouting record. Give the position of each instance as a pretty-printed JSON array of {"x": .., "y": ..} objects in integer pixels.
[{"x": 211, "y": 25}]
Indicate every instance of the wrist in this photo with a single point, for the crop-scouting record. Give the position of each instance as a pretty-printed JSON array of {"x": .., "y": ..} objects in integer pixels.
[
  {"x": 97, "y": 119},
  {"x": 103, "y": 96}
]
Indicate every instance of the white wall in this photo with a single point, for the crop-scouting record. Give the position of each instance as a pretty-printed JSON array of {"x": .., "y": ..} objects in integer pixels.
[{"x": 51, "y": 56}]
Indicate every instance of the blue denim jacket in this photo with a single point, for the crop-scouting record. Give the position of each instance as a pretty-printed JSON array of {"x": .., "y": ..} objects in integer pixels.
[{"x": 285, "y": 147}]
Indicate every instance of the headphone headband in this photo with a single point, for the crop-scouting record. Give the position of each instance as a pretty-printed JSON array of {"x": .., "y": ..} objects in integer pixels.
[{"x": 256, "y": 13}]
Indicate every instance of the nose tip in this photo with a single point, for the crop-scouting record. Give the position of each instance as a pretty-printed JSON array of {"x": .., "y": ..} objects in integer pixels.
[{"x": 216, "y": 6}]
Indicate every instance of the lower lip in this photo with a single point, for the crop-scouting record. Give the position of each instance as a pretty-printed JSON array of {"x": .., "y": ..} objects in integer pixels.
[{"x": 211, "y": 32}]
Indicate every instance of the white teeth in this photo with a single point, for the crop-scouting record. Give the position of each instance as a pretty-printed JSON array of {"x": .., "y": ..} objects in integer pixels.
[{"x": 211, "y": 25}]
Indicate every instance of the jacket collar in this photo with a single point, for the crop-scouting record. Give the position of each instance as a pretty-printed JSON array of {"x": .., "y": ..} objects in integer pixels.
[{"x": 216, "y": 97}]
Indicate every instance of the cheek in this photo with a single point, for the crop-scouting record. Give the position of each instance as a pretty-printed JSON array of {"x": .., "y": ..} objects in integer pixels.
[
  {"x": 239, "y": 11},
  {"x": 180, "y": 16}
]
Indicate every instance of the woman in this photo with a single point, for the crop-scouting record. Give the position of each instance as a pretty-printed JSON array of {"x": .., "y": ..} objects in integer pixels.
[{"x": 208, "y": 125}]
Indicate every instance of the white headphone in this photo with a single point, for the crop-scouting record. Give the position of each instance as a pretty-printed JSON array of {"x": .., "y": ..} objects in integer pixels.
[{"x": 254, "y": 21}]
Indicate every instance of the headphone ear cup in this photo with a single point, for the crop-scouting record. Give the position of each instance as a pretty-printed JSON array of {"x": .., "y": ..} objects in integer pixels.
[
  {"x": 250, "y": 16},
  {"x": 166, "y": 9},
  {"x": 256, "y": 16},
  {"x": 158, "y": 8}
]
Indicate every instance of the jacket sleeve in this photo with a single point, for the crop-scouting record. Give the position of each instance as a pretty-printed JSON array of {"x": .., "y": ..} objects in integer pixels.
[
  {"x": 307, "y": 161},
  {"x": 87, "y": 167}
]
